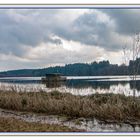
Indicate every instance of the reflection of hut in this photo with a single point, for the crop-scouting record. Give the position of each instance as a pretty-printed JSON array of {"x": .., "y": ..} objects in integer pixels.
[
  {"x": 53, "y": 77},
  {"x": 54, "y": 84}
]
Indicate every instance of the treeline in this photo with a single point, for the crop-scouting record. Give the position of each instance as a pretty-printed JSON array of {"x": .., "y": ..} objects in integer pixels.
[
  {"x": 85, "y": 69},
  {"x": 78, "y": 69}
]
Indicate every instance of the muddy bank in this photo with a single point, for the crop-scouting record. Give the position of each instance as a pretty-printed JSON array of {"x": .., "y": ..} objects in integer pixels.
[
  {"x": 18, "y": 125},
  {"x": 89, "y": 125}
]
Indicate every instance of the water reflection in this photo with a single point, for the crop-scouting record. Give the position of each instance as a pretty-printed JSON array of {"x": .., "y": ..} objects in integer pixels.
[
  {"x": 137, "y": 85},
  {"x": 54, "y": 84},
  {"x": 85, "y": 87},
  {"x": 76, "y": 86},
  {"x": 93, "y": 84}
]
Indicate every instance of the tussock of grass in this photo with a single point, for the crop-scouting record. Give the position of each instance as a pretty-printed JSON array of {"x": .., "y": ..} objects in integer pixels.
[
  {"x": 15, "y": 125},
  {"x": 103, "y": 107}
]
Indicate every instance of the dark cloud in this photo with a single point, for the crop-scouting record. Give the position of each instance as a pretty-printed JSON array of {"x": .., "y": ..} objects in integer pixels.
[
  {"x": 23, "y": 29},
  {"x": 127, "y": 20},
  {"x": 90, "y": 30}
]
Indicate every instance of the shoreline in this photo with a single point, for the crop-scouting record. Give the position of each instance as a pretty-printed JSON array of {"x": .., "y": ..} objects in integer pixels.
[
  {"x": 65, "y": 123},
  {"x": 107, "y": 108},
  {"x": 18, "y": 125}
]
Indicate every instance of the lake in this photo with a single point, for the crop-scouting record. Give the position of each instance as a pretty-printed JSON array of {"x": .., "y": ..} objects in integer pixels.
[{"x": 77, "y": 85}]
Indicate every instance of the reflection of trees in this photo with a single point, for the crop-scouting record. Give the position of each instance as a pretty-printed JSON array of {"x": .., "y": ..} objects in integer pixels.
[
  {"x": 18, "y": 81},
  {"x": 137, "y": 86},
  {"x": 94, "y": 84}
]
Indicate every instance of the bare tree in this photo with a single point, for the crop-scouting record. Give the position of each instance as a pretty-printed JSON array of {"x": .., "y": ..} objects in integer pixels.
[{"x": 131, "y": 55}]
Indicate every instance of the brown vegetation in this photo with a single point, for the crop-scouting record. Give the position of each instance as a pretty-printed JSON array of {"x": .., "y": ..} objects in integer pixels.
[
  {"x": 15, "y": 125},
  {"x": 101, "y": 106}
]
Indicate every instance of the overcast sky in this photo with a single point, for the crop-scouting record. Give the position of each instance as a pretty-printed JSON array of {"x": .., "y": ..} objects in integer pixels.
[{"x": 41, "y": 38}]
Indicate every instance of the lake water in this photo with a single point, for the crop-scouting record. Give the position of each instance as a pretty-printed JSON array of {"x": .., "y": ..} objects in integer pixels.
[{"x": 77, "y": 85}]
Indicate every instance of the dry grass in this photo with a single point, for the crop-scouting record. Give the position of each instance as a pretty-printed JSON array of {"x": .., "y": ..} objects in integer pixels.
[
  {"x": 15, "y": 125},
  {"x": 103, "y": 107}
]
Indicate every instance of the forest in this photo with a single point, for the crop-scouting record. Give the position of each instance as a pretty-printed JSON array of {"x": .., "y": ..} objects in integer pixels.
[{"x": 79, "y": 69}]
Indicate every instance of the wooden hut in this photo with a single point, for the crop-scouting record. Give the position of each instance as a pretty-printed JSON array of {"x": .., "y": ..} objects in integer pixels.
[{"x": 53, "y": 77}]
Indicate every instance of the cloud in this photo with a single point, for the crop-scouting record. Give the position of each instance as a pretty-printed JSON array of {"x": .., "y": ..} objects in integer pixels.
[
  {"x": 31, "y": 28},
  {"x": 49, "y": 53},
  {"x": 94, "y": 28},
  {"x": 127, "y": 20},
  {"x": 38, "y": 38}
]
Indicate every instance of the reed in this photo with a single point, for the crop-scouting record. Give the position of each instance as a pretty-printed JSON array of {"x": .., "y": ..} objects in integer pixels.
[{"x": 101, "y": 106}]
